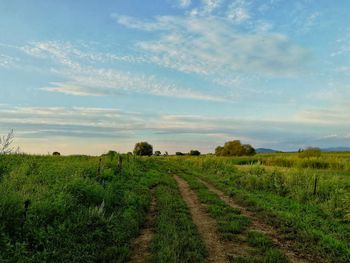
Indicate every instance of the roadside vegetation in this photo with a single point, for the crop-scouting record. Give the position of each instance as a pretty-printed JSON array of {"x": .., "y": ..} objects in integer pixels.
[
  {"x": 309, "y": 207},
  {"x": 176, "y": 238},
  {"x": 235, "y": 227},
  {"x": 70, "y": 209},
  {"x": 90, "y": 209}
]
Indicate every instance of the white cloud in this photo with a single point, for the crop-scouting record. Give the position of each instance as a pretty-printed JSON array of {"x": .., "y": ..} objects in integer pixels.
[
  {"x": 238, "y": 11},
  {"x": 338, "y": 116},
  {"x": 7, "y": 61},
  {"x": 87, "y": 79},
  {"x": 310, "y": 22},
  {"x": 207, "y": 8},
  {"x": 34, "y": 124},
  {"x": 185, "y": 3},
  {"x": 343, "y": 69},
  {"x": 212, "y": 45},
  {"x": 211, "y": 5}
]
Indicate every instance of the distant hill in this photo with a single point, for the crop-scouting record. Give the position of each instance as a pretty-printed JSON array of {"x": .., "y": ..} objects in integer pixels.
[
  {"x": 265, "y": 150},
  {"x": 336, "y": 149},
  {"x": 330, "y": 149}
]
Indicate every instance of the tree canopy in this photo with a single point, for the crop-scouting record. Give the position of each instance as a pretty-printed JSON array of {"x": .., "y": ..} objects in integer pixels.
[
  {"x": 234, "y": 148},
  {"x": 143, "y": 149},
  {"x": 310, "y": 152},
  {"x": 194, "y": 152}
]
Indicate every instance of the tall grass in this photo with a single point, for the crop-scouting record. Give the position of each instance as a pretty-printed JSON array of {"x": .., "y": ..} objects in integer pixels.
[
  {"x": 61, "y": 209},
  {"x": 310, "y": 205}
]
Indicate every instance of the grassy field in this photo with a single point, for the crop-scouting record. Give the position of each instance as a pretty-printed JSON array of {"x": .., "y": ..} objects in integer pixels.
[
  {"x": 308, "y": 205},
  {"x": 92, "y": 209}
]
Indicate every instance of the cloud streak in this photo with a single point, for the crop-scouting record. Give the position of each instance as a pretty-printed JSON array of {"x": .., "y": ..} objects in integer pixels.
[
  {"x": 85, "y": 78},
  {"x": 213, "y": 45},
  {"x": 101, "y": 123}
]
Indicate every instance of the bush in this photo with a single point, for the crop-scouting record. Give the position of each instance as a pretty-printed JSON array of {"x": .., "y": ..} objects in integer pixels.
[
  {"x": 179, "y": 153},
  {"x": 235, "y": 148},
  {"x": 310, "y": 152},
  {"x": 157, "y": 153},
  {"x": 195, "y": 152},
  {"x": 143, "y": 148}
]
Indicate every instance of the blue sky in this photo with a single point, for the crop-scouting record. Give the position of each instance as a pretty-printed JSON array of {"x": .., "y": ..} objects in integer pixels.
[{"x": 89, "y": 76}]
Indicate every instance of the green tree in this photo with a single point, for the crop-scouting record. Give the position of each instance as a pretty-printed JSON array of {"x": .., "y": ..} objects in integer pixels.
[
  {"x": 218, "y": 150},
  {"x": 310, "y": 152},
  {"x": 234, "y": 148},
  {"x": 248, "y": 149},
  {"x": 195, "y": 152},
  {"x": 157, "y": 153},
  {"x": 143, "y": 149}
]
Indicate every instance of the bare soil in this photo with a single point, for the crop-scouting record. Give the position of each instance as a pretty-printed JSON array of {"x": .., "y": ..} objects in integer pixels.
[{"x": 141, "y": 245}]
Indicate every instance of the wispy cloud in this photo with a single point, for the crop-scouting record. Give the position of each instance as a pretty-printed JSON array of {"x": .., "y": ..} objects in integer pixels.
[
  {"x": 338, "y": 116},
  {"x": 7, "y": 61},
  {"x": 311, "y": 21},
  {"x": 184, "y": 3},
  {"x": 238, "y": 11},
  {"x": 211, "y": 5},
  {"x": 200, "y": 131},
  {"x": 86, "y": 78},
  {"x": 220, "y": 47}
]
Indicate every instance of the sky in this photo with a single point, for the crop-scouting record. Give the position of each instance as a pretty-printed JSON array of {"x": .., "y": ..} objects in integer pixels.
[{"x": 90, "y": 76}]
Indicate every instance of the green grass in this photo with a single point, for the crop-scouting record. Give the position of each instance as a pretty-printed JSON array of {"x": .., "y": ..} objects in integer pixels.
[
  {"x": 74, "y": 215},
  {"x": 84, "y": 210},
  {"x": 81, "y": 211},
  {"x": 231, "y": 223},
  {"x": 176, "y": 237},
  {"x": 317, "y": 224}
]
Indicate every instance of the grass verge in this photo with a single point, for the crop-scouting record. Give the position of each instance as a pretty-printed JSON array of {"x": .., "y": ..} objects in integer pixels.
[
  {"x": 176, "y": 238},
  {"x": 233, "y": 226}
]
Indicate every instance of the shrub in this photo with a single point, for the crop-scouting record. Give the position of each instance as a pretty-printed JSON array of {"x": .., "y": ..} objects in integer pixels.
[
  {"x": 195, "y": 152},
  {"x": 143, "y": 148},
  {"x": 179, "y": 153},
  {"x": 6, "y": 143},
  {"x": 157, "y": 153},
  {"x": 235, "y": 148},
  {"x": 56, "y": 154},
  {"x": 310, "y": 152}
]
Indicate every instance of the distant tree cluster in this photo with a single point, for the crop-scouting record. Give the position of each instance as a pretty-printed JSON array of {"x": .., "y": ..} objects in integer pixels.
[
  {"x": 235, "y": 148},
  {"x": 192, "y": 153},
  {"x": 143, "y": 149},
  {"x": 309, "y": 152},
  {"x": 195, "y": 153}
]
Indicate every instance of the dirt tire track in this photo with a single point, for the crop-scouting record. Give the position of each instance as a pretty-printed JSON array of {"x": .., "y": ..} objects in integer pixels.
[
  {"x": 140, "y": 247},
  {"x": 205, "y": 224},
  {"x": 256, "y": 224}
]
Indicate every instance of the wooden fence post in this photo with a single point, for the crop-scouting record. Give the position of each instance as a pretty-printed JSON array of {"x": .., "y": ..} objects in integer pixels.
[
  {"x": 120, "y": 164},
  {"x": 99, "y": 167},
  {"x": 315, "y": 184},
  {"x": 26, "y": 207}
]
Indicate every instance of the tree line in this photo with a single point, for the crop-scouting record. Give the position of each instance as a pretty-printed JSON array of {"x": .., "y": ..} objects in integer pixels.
[{"x": 231, "y": 148}]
